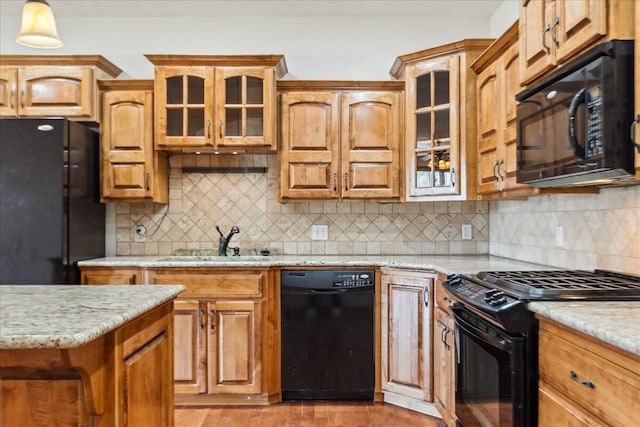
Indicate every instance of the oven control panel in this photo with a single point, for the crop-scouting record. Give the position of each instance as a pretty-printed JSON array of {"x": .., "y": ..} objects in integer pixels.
[{"x": 479, "y": 295}]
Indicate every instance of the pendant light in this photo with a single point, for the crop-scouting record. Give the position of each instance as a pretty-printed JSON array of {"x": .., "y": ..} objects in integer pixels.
[{"x": 38, "y": 26}]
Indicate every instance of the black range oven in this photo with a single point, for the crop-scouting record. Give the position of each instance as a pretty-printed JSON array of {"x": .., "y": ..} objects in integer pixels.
[{"x": 497, "y": 342}]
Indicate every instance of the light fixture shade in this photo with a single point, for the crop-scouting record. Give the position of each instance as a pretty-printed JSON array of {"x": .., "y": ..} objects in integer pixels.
[{"x": 38, "y": 26}]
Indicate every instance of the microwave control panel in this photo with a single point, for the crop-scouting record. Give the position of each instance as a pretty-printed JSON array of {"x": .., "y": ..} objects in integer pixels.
[{"x": 593, "y": 144}]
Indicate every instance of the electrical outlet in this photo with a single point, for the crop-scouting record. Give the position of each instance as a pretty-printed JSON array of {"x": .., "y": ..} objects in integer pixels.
[
  {"x": 320, "y": 232},
  {"x": 559, "y": 236},
  {"x": 139, "y": 233},
  {"x": 466, "y": 232}
]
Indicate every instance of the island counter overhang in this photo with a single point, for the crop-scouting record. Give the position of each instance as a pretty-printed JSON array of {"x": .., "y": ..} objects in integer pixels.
[{"x": 98, "y": 355}]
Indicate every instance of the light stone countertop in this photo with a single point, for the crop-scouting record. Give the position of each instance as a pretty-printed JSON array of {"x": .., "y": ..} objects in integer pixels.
[
  {"x": 614, "y": 322},
  {"x": 67, "y": 316},
  {"x": 448, "y": 264}
]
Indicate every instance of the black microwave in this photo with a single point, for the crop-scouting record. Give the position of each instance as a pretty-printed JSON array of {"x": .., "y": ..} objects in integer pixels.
[{"x": 574, "y": 126}]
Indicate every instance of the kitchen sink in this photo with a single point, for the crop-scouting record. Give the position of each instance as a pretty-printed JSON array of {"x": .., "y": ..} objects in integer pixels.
[{"x": 210, "y": 258}]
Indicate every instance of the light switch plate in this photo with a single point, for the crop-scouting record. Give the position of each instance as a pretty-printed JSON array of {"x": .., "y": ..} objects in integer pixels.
[
  {"x": 466, "y": 232},
  {"x": 319, "y": 232}
]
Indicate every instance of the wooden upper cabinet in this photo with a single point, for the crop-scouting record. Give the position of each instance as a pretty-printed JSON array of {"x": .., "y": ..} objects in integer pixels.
[
  {"x": 340, "y": 140},
  {"x": 497, "y": 85},
  {"x": 184, "y": 107},
  {"x": 555, "y": 31},
  {"x": 245, "y": 107},
  {"x": 132, "y": 170},
  {"x": 440, "y": 141},
  {"x": 310, "y": 151},
  {"x": 206, "y": 102},
  {"x": 48, "y": 85}
]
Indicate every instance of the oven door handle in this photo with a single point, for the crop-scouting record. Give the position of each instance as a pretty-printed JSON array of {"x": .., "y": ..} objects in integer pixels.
[{"x": 500, "y": 343}]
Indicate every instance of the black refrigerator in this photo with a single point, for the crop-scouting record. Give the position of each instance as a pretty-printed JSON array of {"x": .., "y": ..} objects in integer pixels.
[{"x": 50, "y": 211}]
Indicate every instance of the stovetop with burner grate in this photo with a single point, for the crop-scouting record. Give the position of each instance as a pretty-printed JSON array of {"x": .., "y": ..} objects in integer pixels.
[{"x": 564, "y": 284}]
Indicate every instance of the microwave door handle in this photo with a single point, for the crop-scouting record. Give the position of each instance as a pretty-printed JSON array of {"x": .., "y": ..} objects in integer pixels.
[{"x": 580, "y": 98}]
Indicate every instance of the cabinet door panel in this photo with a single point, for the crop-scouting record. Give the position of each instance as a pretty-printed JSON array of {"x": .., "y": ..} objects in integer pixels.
[
  {"x": 579, "y": 22},
  {"x": 536, "y": 44},
  {"x": 57, "y": 91},
  {"x": 146, "y": 401},
  {"x": 488, "y": 130},
  {"x": 109, "y": 277},
  {"x": 8, "y": 91},
  {"x": 243, "y": 109},
  {"x": 184, "y": 107},
  {"x": 190, "y": 347},
  {"x": 234, "y": 347},
  {"x": 406, "y": 335},
  {"x": 370, "y": 143},
  {"x": 127, "y": 144},
  {"x": 309, "y": 156}
]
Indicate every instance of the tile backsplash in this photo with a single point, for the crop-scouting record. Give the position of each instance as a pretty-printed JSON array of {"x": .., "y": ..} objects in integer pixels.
[
  {"x": 598, "y": 230},
  {"x": 199, "y": 201}
]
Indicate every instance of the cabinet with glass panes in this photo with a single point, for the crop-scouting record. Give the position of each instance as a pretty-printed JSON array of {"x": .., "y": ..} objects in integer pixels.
[
  {"x": 216, "y": 102},
  {"x": 439, "y": 139}
]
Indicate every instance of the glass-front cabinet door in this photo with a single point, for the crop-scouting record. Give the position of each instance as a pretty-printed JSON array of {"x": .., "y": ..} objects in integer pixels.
[
  {"x": 184, "y": 100},
  {"x": 433, "y": 137},
  {"x": 244, "y": 107}
]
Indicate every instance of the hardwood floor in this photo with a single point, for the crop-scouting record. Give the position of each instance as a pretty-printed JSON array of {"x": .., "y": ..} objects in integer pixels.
[{"x": 305, "y": 414}]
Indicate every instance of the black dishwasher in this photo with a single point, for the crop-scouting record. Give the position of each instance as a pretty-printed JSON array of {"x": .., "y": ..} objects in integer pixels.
[{"x": 327, "y": 334}]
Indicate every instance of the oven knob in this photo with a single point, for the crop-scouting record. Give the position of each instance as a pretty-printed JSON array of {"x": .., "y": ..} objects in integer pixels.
[
  {"x": 454, "y": 280},
  {"x": 498, "y": 301}
]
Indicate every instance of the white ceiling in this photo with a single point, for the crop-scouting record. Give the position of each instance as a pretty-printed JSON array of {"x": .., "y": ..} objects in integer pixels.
[{"x": 217, "y": 8}]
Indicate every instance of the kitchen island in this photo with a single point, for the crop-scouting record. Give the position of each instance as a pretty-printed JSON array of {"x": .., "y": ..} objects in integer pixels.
[{"x": 86, "y": 356}]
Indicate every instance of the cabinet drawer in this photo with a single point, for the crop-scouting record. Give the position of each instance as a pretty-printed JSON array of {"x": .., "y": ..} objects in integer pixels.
[
  {"x": 556, "y": 411},
  {"x": 213, "y": 284},
  {"x": 443, "y": 301},
  {"x": 581, "y": 370}
]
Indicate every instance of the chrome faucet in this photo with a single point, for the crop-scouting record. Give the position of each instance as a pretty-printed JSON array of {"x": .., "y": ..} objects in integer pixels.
[{"x": 224, "y": 241}]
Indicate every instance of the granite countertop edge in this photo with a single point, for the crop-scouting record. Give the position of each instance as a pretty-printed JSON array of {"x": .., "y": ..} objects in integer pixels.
[
  {"x": 608, "y": 321},
  {"x": 448, "y": 264},
  {"x": 69, "y": 316}
]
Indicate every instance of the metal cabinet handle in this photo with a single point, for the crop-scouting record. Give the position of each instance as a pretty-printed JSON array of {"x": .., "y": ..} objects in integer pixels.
[
  {"x": 544, "y": 40},
  {"x": 213, "y": 319},
  {"x": 346, "y": 181},
  {"x": 208, "y": 129},
  {"x": 335, "y": 181},
  {"x": 13, "y": 94},
  {"x": 201, "y": 317},
  {"x": 554, "y": 31},
  {"x": 453, "y": 177},
  {"x": 634, "y": 124},
  {"x": 495, "y": 174},
  {"x": 426, "y": 297},
  {"x": 22, "y": 99},
  {"x": 220, "y": 128},
  {"x": 148, "y": 181},
  {"x": 500, "y": 176},
  {"x": 574, "y": 377},
  {"x": 443, "y": 335}
]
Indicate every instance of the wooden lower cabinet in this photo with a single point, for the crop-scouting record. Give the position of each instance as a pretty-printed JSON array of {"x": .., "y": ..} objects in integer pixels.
[
  {"x": 122, "y": 378},
  {"x": 444, "y": 354},
  {"x": 190, "y": 367},
  {"x": 225, "y": 336},
  {"x": 584, "y": 381},
  {"x": 406, "y": 339},
  {"x": 111, "y": 276}
]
